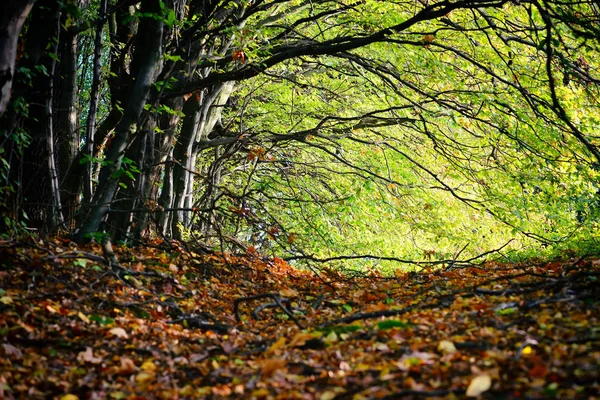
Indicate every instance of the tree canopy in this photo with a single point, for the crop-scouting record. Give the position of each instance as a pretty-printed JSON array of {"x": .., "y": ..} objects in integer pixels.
[{"x": 311, "y": 129}]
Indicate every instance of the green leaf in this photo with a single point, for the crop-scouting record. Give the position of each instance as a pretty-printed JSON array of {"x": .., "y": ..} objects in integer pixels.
[
  {"x": 507, "y": 311},
  {"x": 102, "y": 320},
  {"x": 80, "y": 262},
  {"x": 392, "y": 323}
]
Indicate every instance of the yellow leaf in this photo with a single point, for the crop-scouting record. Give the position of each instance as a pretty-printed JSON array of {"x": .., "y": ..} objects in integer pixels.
[
  {"x": 527, "y": 350},
  {"x": 83, "y": 317},
  {"x": 328, "y": 395},
  {"x": 149, "y": 366},
  {"x": 143, "y": 377},
  {"x": 332, "y": 337},
  {"x": 447, "y": 347},
  {"x": 277, "y": 345},
  {"x": 69, "y": 397},
  {"x": 261, "y": 393},
  {"x": 478, "y": 385},
  {"x": 300, "y": 339},
  {"x": 6, "y": 300}
]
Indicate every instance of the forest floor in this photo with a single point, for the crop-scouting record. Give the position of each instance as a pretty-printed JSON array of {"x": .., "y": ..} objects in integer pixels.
[{"x": 179, "y": 325}]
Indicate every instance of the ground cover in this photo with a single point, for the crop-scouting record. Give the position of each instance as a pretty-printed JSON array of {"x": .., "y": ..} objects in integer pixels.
[{"x": 174, "y": 323}]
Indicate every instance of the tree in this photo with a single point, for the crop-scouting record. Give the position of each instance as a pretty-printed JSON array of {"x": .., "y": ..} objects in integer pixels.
[
  {"x": 13, "y": 14},
  {"x": 472, "y": 96}
]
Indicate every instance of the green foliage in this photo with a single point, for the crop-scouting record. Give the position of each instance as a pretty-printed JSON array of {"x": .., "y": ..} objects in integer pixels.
[{"x": 416, "y": 151}]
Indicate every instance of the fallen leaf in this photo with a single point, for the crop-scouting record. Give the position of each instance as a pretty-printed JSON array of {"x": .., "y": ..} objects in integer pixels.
[
  {"x": 300, "y": 339},
  {"x": 88, "y": 357},
  {"x": 143, "y": 377},
  {"x": 287, "y": 292},
  {"x": 6, "y": 300},
  {"x": 83, "y": 317},
  {"x": 119, "y": 332},
  {"x": 149, "y": 366},
  {"x": 478, "y": 385},
  {"x": 277, "y": 345},
  {"x": 415, "y": 359},
  {"x": 11, "y": 350},
  {"x": 69, "y": 397},
  {"x": 538, "y": 371},
  {"x": 447, "y": 347},
  {"x": 127, "y": 366},
  {"x": 270, "y": 366}
]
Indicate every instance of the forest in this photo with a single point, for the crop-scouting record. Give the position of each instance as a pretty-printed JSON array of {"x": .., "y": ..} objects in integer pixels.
[{"x": 299, "y": 199}]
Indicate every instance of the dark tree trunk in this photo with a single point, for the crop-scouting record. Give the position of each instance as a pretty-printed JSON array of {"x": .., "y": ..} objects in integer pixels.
[
  {"x": 30, "y": 170},
  {"x": 12, "y": 16},
  {"x": 133, "y": 197},
  {"x": 67, "y": 123},
  {"x": 144, "y": 65},
  {"x": 93, "y": 110}
]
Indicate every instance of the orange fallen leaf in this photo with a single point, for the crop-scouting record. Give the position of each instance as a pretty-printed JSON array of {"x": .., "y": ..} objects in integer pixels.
[
  {"x": 287, "y": 292},
  {"x": 127, "y": 366},
  {"x": 300, "y": 339},
  {"x": 277, "y": 345},
  {"x": 538, "y": 371},
  {"x": 269, "y": 367}
]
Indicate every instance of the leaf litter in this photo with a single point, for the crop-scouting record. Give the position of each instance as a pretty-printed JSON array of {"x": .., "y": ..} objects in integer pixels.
[{"x": 174, "y": 324}]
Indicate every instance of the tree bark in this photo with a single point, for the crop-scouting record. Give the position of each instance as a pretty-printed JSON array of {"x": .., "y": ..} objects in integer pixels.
[
  {"x": 67, "y": 123},
  {"x": 35, "y": 88},
  {"x": 94, "y": 100},
  {"x": 12, "y": 16},
  {"x": 144, "y": 65}
]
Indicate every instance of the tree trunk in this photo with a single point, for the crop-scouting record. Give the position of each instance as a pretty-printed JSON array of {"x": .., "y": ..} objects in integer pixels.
[
  {"x": 35, "y": 88},
  {"x": 93, "y": 110},
  {"x": 67, "y": 123},
  {"x": 144, "y": 65},
  {"x": 196, "y": 127},
  {"x": 12, "y": 16}
]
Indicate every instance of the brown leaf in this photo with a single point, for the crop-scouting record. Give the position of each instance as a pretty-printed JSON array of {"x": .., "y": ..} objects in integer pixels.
[
  {"x": 269, "y": 367},
  {"x": 127, "y": 366}
]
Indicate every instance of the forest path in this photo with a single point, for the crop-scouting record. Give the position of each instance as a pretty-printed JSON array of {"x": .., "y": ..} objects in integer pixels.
[{"x": 178, "y": 325}]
